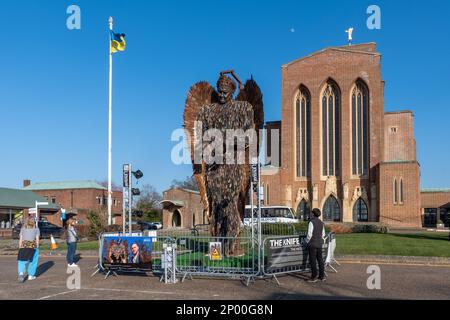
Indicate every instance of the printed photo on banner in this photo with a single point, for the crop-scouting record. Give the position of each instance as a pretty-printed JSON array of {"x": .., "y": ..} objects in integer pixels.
[{"x": 128, "y": 251}]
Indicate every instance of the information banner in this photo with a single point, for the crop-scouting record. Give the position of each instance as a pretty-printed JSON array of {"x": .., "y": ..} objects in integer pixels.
[
  {"x": 127, "y": 251},
  {"x": 289, "y": 253},
  {"x": 286, "y": 252}
]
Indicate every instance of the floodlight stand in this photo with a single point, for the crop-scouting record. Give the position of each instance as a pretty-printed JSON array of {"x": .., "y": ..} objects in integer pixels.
[
  {"x": 130, "y": 202},
  {"x": 170, "y": 263}
]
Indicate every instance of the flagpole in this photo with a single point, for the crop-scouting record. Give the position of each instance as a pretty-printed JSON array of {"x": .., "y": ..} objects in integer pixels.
[{"x": 110, "y": 132}]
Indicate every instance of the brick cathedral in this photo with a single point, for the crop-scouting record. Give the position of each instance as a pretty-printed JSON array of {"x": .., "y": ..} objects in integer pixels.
[{"x": 338, "y": 149}]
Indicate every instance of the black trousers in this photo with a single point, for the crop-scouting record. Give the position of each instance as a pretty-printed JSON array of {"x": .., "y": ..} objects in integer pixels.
[{"x": 315, "y": 255}]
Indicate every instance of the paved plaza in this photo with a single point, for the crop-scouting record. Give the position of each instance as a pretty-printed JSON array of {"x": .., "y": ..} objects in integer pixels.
[{"x": 398, "y": 281}]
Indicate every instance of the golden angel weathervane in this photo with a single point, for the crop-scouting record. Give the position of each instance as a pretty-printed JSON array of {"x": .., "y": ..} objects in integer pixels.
[{"x": 350, "y": 35}]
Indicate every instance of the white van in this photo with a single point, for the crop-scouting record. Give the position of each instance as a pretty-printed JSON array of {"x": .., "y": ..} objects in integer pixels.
[{"x": 271, "y": 214}]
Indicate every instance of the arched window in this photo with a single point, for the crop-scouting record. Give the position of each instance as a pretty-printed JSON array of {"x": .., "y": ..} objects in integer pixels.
[
  {"x": 303, "y": 133},
  {"x": 330, "y": 130},
  {"x": 360, "y": 211},
  {"x": 332, "y": 210},
  {"x": 395, "y": 191},
  {"x": 303, "y": 211},
  {"x": 193, "y": 220},
  {"x": 360, "y": 124},
  {"x": 401, "y": 191}
]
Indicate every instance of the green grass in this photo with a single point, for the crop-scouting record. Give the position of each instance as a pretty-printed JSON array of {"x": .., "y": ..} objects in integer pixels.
[
  {"x": 421, "y": 244},
  {"x": 90, "y": 245},
  {"x": 200, "y": 259}
]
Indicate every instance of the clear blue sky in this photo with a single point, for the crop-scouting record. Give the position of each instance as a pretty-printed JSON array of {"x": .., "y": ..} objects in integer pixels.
[{"x": 53, "y": 82}]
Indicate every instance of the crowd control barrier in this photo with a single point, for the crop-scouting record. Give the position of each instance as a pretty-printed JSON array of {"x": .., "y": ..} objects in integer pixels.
[
  {"x": 195, "y": 253},
  {"x": 288, "y": 254}
]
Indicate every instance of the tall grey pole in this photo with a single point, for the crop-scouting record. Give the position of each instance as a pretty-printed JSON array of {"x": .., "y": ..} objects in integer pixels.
[
  {"x": 110, "y": 22},
  {"x": 130, "y": 198},
  {"x": 125, "y": 198},
  {"x": 124, "y": 208}
]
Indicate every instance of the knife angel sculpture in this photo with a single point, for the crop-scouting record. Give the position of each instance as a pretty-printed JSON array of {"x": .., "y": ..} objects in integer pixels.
[{"x": 224, "y": 138}]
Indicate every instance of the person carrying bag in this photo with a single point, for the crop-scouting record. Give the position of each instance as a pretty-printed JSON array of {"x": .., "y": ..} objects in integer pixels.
[{"x": 28, "y": 250}]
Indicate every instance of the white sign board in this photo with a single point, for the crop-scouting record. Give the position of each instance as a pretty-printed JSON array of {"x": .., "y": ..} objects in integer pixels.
[{"x": 331, "y": 248}]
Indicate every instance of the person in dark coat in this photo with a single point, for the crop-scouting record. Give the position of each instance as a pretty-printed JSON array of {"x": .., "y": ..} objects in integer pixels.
[{"x": 316, "y": 234}]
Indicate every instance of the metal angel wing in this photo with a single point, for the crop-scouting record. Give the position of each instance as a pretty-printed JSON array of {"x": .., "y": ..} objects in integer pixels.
[
  {"x": 252, "y": 94},
  {"x": 200, "y": 94}
]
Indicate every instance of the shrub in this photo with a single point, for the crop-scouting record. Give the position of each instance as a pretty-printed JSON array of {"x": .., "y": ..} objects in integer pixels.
[
  {"x": 114, "y": 228},
  {"x": 277, "y": 229},
  {"x": 97, "y": 226},
  {"x": 340, "y": 228},
  {"x": 302, "y": 227},
  {"x": 154, "y": 215},
  {"x": 369, "y": 228},
  {"x": 280, "y": 229},
  {"x": 346, "y": 228},
  {"x": 82, "y": 231}
]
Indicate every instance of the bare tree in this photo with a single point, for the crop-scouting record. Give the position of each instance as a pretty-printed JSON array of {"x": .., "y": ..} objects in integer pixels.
[
  {"x": 98, "y": 221},
  {"x": 149, "y": 199},
  {"x": 114, "y": 186},
  {"x": 188, "y": 183}
]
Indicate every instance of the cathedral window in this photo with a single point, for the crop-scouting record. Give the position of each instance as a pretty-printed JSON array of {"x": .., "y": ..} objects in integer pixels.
[
  {"x": 303, "y": 133},
  {"x": 360, "y": 123},
  {"x": 331, "y": 130}
]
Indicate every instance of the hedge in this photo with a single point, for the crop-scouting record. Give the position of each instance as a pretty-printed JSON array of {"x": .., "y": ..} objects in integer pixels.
[
  {"x": 279, "y": 229},
  {"x": 338, "y": 228},
  {"x": 344, "y": 228}
]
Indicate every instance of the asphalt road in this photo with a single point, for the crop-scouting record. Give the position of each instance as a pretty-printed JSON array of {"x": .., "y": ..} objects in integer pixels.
[{"x": 397, "y": 282}]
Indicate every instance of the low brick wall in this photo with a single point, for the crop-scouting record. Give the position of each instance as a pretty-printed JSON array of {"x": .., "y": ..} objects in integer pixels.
[{"x": 6, "y": 233}]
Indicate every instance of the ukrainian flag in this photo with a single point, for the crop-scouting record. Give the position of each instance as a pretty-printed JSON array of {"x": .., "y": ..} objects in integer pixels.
[{"x": 117, "y": 42}]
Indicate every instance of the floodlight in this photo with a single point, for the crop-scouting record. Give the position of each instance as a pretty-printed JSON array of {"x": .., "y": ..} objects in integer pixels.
[{"x": 138, "y": 174}]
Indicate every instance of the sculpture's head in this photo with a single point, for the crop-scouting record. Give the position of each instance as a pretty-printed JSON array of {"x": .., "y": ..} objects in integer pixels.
[{"x": 226, "y": 88}]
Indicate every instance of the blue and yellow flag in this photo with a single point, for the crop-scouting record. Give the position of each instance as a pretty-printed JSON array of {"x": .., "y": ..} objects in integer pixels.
[{"x": 117, "y": 42}]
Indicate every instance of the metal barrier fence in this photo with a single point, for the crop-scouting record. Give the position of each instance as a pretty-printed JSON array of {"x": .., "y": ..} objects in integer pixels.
[
  {"x": 282, "y": 251},
  {"x": 112, "y": 268},
  {"x": 195, "y": 256},
  {"x": 282, "y": 255}
]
